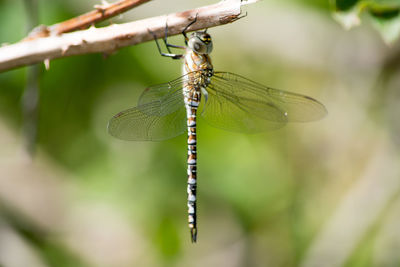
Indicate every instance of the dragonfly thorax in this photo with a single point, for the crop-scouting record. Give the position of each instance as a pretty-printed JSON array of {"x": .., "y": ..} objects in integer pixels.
[{"x": 200, "y": 42}]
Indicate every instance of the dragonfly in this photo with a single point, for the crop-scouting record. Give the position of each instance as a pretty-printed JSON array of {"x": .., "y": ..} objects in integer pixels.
[{"x": 230, "y": 102}]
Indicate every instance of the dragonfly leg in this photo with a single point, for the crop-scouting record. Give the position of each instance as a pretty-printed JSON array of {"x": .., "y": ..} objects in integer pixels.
[
  {"x": 171, "y": 55},
  {"x": 185, "y": 29},
  {"x": 168, "y": 45}
]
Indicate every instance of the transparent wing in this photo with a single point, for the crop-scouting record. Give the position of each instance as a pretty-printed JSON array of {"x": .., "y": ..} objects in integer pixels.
[
  {"x": 239, "y": 104},
  {"x": 160, "y": 115},
  {"x": 168, "y": 94}
]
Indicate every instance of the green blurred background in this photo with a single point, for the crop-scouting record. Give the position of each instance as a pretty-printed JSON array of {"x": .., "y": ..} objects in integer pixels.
[{"x": 324, "y": 193}]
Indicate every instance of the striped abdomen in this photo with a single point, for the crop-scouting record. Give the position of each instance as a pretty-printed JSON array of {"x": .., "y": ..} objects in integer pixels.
[
  {"x": 193, "y": 101},
  {"x": 199, "y": 68}
]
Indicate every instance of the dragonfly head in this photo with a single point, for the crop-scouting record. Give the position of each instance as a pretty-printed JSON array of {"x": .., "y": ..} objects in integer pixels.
[{"x": 200, "y": 42}]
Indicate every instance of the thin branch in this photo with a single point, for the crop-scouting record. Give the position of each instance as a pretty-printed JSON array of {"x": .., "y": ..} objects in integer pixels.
[
  {"x": 102, "y": 12},
  {"x": 111, "y": 38}
]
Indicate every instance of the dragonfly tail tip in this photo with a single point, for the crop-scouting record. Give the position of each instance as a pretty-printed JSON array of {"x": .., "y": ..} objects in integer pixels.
[{"x": 193, "y": 234}]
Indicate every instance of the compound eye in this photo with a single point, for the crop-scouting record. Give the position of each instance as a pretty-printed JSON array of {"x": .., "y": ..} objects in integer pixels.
[{"x": 197, "y": 47}]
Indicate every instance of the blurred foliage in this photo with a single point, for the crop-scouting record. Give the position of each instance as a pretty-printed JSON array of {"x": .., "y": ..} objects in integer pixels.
[
  {"x": 384, "y": 15},
  {"x": 53, "y": 252},
  {"x": 264, "y": 200}
]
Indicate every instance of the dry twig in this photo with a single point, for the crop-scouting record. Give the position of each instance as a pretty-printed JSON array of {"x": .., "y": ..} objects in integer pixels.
[
  {"x": 111, "y": 38},
  {"x": 84, "y": 21}
]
